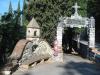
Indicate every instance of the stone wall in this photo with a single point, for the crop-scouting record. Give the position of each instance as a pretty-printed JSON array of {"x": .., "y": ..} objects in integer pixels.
[{"x": 83, "y": 48}]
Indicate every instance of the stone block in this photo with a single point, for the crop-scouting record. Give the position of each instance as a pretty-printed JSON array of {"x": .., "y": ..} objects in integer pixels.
[
  {"x": 5, "y": 73},
  {"x": 34, "y": 64},
  {"x": 24, "y": 67},
  {"x": 58, "y": 58}
]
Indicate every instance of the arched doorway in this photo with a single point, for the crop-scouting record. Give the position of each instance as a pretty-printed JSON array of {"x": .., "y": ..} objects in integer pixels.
[{"x": 67, "y": 40}]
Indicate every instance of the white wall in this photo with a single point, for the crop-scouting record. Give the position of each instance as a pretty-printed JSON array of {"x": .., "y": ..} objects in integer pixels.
[{"x": 30, "y": 33}]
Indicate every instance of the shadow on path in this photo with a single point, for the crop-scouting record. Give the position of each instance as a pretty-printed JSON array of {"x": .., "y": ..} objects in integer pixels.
[
  {"x": 81, "y": 68},
  {"x": 27, "y": 74}
]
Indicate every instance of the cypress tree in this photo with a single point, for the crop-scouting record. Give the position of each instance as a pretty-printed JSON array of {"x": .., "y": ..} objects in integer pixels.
[
  {"x": 24, "y": 12},
  {"x": 10, "y": 8},
  {"x": 18, "y": 9}
]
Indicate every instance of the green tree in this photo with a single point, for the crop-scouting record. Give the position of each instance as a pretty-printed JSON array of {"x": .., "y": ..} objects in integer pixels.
[
  {"x": 10, "y": 30},
  {"x": 47, "y": 13},
  {"x": 6, "y": 33}
]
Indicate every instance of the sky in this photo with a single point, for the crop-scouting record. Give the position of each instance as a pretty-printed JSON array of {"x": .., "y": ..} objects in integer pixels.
[{"x": 4, "y": 5}]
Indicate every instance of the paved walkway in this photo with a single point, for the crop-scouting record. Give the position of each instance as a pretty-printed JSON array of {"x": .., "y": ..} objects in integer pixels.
[{"x": 73, "y": 65}]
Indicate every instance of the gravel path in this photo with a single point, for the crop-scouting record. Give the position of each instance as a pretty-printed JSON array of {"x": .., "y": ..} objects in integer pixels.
[{"x": 73, "y": 65}]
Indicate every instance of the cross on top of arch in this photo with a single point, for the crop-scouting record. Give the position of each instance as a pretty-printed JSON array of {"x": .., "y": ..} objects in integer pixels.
[
  {"x": 76, "y": 15},
  {"x": 76, "y": 8}
]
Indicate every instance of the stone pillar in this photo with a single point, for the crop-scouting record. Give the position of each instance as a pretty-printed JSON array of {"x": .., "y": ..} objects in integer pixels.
[
  {"x": 59, "y": 35},
  {"x": 92, "y": 33},
  {"x": 59, "y": 57}
]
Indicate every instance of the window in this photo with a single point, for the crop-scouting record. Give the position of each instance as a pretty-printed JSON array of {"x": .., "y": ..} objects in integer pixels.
[
  {"x": 28, "y": 31},
  {"x": 35, "y": 33}
]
